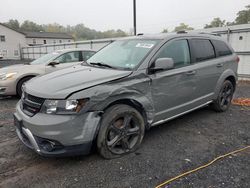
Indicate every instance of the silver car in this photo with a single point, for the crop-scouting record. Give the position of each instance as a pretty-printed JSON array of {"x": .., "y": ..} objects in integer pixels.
[
  {"x": 125, "y": 88},
  {"x": 13, "y": 77}
]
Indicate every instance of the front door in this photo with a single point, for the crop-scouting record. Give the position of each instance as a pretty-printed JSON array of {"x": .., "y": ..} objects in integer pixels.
[{"x": 173, "y": 90}]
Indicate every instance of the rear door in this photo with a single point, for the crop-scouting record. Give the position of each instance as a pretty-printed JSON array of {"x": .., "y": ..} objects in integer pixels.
[
  {"x": 224, "y": 56},
  {"x": 173, "y": 90},
  {"x": 208, "y": 69},
  {"x": 65, "y": 60}
]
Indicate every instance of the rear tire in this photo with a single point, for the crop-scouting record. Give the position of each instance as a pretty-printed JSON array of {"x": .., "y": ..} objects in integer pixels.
[
  {"x": 121, "y": 132},
  {"x": 223, "y": 101},
  {"x": 20, "y": 84}
]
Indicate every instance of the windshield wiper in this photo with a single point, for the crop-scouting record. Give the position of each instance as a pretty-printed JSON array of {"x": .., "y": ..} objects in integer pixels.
[{"x": 102, "y": 65}]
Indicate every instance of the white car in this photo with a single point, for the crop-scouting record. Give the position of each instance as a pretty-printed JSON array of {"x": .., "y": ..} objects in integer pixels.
[{"x": 13, "y": 77}]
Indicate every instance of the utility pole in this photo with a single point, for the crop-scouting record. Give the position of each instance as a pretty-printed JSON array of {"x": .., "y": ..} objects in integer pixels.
[{"x": 134, "y": 17}]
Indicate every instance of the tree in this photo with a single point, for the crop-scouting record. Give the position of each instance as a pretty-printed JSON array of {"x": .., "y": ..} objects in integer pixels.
[
  {"x": 182, "y": 27},
  {"x": 55, "y": 27},
  {"x": 31, "y": 26},
  {"x": 230, "y": 23},
  {"x": 243, "y": 16},
  {"x": 79, "y": 31},
  {"x": 216, "y": 22},
  {"x": 14, "y": 24},
  {"x": 165, "y": 31}
]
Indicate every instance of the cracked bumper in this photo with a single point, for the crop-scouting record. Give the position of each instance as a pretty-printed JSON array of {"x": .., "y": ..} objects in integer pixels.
[{"x": 57, "y": 135}]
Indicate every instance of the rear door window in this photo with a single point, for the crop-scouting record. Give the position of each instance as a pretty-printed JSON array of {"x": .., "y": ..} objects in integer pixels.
[
  {"x": 221, "y": 48},
  {"x": 202, "y": 49}
]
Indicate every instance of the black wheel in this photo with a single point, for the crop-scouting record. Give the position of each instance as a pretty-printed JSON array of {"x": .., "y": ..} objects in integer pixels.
[
  {"x": 20, "y": 84},
  {"x": 121, "y": 132},
  {"x": 222, "y": 103}
]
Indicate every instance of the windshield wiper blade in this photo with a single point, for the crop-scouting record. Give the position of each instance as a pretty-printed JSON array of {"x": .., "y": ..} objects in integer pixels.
[{"x": 102, "y": 65}]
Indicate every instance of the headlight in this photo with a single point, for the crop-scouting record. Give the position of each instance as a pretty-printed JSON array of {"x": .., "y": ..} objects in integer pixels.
[
  {"x": 63, "y": 106},
  {"x": 5, "y": 76}
]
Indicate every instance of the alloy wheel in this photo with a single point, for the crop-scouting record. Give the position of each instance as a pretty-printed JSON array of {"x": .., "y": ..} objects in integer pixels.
[{"x": 123, "y": 134}]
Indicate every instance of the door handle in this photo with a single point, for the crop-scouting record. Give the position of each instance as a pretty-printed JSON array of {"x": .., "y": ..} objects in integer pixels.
[
  {"x": 190, "y": 72},
  {"x": 219, "y": 65}
]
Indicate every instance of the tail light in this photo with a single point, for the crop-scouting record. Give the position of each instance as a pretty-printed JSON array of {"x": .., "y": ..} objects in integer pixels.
[{"x": 237, "y": 59}]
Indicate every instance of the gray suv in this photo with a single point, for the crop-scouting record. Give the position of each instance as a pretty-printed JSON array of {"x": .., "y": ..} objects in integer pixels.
[{"x": 125, "y": 88}]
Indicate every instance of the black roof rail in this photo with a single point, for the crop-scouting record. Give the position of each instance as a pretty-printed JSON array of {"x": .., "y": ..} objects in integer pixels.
[
  {"x": 181, "y": 32},
  {"x": 214, "y": 34}
]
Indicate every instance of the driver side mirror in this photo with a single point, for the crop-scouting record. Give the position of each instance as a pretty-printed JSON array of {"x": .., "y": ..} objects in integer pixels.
[
  {"x": 53, "y": 63},
  {"x": 162, "y": 64}
]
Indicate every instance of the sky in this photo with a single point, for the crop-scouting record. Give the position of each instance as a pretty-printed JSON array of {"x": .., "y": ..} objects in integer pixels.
[{"x": 152, "y": 15}]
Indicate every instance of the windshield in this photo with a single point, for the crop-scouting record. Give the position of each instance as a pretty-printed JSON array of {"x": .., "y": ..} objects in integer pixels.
[
  {"x": 125, "y": 54},
  {"x": 45, "y": 58}
]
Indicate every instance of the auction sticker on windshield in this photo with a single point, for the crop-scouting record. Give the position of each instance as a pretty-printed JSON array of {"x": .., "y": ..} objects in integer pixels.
[{"x": 144, "y": 45}]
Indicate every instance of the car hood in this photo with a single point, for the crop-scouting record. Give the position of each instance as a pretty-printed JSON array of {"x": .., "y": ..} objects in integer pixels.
[
  {"x": 60, "y": 84},
  {"x": 18, "y": 68}
]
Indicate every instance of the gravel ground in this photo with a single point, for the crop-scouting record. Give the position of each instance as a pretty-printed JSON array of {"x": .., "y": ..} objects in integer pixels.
[{"x": 167, "y": 150}]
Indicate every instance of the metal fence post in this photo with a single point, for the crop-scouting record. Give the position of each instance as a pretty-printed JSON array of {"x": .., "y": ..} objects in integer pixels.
[
  {"x": 33, "y": 53},
  {"x": 28, "y": 53},
  {"x": 91, "y": 44},
  {"x": 40, "y": 53}
]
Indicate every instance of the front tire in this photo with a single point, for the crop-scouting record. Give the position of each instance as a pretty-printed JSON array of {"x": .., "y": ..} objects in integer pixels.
[
  {"x": 121, "y": 132},
  {"x": 223, "y": 101}
]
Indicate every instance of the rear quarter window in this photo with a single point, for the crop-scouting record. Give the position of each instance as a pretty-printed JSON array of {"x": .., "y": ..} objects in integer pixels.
[
  {"x": 202, "y": 49},
  {"x": 221, "y": 48}
]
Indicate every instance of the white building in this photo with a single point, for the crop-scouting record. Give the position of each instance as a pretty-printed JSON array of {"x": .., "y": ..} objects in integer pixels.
[
  {"x": 11, "y": 40},
  {"x": 40, "y": 38}
]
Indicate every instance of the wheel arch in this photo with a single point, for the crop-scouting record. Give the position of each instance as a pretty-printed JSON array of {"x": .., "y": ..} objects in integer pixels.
[
  {"x": 23, "y": 77},
  {"x": 226, "y": 75},
  {"x": 134, "y": 104},
  {"x": 232, "y": 80}
]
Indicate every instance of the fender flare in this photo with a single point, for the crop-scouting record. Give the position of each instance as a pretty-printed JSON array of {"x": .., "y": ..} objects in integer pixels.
[{"x": 227, "y": 73}]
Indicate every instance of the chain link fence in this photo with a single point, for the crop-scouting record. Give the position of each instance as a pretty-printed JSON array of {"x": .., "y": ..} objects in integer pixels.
[{"x": 34, "y": 52}]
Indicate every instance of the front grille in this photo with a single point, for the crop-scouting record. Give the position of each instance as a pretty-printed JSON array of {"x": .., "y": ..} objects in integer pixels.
[{"x": 31, "y": 105}]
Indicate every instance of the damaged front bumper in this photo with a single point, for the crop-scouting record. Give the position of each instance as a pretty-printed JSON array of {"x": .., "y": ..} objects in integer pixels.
[{"x": 57, "y": 135}]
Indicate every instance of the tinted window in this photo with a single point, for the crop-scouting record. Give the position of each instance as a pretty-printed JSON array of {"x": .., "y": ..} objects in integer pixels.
[
  {"x": 178, "y": 51},
  {"x": 221, "y": 48},
  {"x": 202, "y": 49}
]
